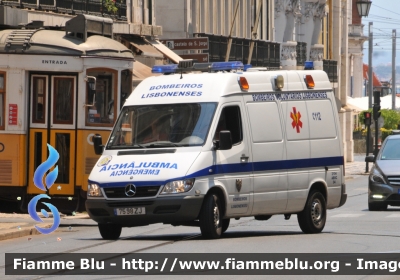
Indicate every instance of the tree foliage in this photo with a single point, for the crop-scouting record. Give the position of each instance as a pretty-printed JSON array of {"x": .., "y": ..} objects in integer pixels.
[
  {"x": 110, "y": 6},
  {"x": 391, "y": 118}
]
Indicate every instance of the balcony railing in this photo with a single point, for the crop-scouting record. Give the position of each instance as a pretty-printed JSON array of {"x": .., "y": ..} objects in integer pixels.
[
  {"x": 265, "y": 54},
  {"x": 92, "y": 7}
]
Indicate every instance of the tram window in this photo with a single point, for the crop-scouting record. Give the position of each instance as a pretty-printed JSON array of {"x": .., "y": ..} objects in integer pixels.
[
  {"x": 63, "y": 100},
  {"x": 101, "y": 100},
  {"x": 39, "y": 100},
  {"x": 1, "y": 111},
  {"x": 126, "y": 85},
  {"x": 2, "y": 101}
]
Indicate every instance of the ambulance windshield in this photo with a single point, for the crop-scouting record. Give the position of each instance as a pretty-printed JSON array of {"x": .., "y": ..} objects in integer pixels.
[{"x": 165, "y": 125}]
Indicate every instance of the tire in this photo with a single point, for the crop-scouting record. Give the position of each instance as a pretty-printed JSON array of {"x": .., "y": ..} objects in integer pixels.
[
  {"x": 225, "y": 224},
  {"x": 377, "y": 206},
  {"x": 313, "y": 217},
  {"x": 210, "y": 217},
  {"x": 110, "y": 231}
]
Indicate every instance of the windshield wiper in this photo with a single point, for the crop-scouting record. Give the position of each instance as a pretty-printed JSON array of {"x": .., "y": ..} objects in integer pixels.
[
  {"x": 162, "y": 145},
  {"x": 124, "y": 146}
]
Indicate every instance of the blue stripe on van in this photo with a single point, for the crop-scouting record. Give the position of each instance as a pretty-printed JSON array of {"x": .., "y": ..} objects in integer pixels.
[
  {"x": 297, "y": 163},
  {"x": 243, "y": 168}
]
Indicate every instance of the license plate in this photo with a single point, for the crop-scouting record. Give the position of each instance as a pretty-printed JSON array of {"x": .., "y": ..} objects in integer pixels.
[{"x": 130, "y": 211}]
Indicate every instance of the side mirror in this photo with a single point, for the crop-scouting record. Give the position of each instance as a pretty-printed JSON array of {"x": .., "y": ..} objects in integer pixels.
[
  {"x": 98, "y": 145},
  {"x": 370, "y": 159},
  {"x": 225, "y": 140}
]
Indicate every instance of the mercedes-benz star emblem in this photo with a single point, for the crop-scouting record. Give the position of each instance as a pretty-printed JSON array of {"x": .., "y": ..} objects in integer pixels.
[{"x": 130, "y": 190}]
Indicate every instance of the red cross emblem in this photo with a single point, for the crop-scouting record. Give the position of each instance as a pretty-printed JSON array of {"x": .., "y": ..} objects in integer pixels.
[{"x": 296, "y": 119}]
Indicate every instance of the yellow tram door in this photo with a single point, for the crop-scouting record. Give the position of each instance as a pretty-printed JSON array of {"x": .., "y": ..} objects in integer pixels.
[{"x": 52, "y": 121}]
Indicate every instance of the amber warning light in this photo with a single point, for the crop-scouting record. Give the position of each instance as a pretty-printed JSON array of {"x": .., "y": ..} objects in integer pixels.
[
  {"x": 244, "y": 85},
  {"x": 309, "y": 81}
]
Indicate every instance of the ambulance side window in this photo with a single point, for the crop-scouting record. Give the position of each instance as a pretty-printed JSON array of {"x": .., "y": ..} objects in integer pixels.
[
  {"x": 2, "y": 99},
  {"x": 230, "y": 120}
]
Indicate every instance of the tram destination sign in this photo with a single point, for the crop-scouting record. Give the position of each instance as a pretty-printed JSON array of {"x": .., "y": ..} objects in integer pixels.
[{"x": 200, "y": 43}]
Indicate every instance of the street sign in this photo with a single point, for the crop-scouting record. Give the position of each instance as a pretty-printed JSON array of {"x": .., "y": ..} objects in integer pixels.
[
  {"x": 200, "y": 57},
  {"x": 200, "y": 43}
]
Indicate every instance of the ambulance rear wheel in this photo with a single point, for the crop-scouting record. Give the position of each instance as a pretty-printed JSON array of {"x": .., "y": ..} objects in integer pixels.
[
  {"x": 110, "y": 231},
  {"x": 211, "y": 217},
  {"x": 312, "y": 219}
]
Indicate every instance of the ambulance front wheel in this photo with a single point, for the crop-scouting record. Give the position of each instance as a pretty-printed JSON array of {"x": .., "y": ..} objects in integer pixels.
[
  {"x": 110, "y": 231},
  {"x": 211, "y": 217},
  {"x": 312, "y": 219},
  {"x": 225, "y": 224}
]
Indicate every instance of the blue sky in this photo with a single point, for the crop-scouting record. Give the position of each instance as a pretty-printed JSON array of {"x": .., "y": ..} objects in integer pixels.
[{"x": 385, "y": 17}]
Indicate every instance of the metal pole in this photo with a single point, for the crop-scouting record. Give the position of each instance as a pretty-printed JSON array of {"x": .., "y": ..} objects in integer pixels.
[
  {"x": 368, "y": 137},
  {"x": 394, "y": 69},
  {"x": 370, "y": 75},
  {"x": 376, "y": 136},
  {"x": 228, "y": 47},
  {"x": 254, "y": 32}
]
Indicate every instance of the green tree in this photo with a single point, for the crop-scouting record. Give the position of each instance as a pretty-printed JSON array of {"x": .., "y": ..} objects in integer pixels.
[{"x": 391, "y": 118}]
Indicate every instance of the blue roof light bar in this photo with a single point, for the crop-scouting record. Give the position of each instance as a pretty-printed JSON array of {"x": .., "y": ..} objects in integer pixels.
[
  {"x": 228, "y": 65},
  {"x": 309, "y": 65},
  {"x": 247, "y": 66},
  {"x": 164, "y": 69},
  {"x": 204, "y": 67}
]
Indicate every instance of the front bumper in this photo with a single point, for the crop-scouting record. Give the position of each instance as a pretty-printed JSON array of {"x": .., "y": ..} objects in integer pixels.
[
  {"x": 343, "y": 197},
  {"x": 168, "y": 210},
  {"x": 390, "y": 195}
]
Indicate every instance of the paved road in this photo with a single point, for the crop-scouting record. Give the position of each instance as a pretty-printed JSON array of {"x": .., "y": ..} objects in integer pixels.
[{"x": 350, "y": 229}]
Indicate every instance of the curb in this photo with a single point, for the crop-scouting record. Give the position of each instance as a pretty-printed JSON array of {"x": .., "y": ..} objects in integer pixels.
[{"x": 19, "y": 233}]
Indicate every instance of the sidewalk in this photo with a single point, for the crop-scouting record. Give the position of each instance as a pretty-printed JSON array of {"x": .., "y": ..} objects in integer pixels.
[
  {"x": 19, "y": 225},
  {"x": 357, "y": 167}
]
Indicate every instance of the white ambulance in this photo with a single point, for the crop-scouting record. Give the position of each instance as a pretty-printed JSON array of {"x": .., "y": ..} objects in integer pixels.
[{"x": 205, "y": 143}]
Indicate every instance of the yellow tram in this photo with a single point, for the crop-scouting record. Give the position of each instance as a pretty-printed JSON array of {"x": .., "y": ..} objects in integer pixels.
[{"x": 58, "y": 88}]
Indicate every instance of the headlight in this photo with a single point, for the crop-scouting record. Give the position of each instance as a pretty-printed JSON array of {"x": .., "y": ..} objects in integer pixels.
[
  {"x": 178, "y": 186},
  {"x": 94, "y": 191},
  {"x": 376, "y": 176}
]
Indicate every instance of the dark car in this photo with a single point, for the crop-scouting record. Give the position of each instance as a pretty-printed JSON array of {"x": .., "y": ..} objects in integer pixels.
[{"x": 384, "y": 178}]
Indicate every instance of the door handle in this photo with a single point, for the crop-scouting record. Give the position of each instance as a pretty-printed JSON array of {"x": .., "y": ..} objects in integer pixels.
[{"x": 244, "y": 159}]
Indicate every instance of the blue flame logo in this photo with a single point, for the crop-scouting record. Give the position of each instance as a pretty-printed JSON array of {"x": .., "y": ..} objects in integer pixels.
[{"x": 38, "y": 181}]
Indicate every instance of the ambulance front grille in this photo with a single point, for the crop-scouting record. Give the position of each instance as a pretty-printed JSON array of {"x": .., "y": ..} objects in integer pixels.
[
  {"x": 89, "y": 163},
  {"x": 119, "y": 192},
  {"x": 5, "y": 172}
]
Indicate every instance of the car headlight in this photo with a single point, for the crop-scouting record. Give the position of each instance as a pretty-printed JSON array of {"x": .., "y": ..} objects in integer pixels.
[
  {"x": 376, "y": 176},
  {"x": 180, "y": 186},
  {"x": 94, "y": 191}
]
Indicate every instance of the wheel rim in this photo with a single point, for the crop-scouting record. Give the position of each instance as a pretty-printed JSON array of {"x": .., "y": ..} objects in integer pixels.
[
  {"x": 316, "y": 212},
  {"x": 216, "y": 215}
]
